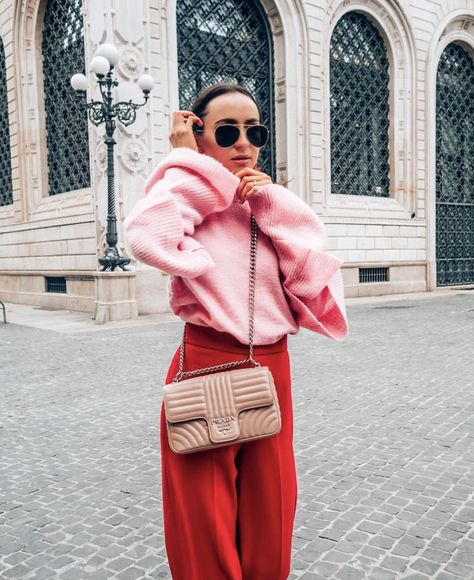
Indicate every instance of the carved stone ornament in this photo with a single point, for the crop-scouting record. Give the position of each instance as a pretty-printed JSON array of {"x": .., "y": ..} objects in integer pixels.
[
  {"x": 282, "y": 174},
  {"x": 102, "y": 241},
  {"x": 130, "y": 63},
  {"x": 277, "y": 24},
  {"x": 133, "y": 156},
  {"x": 280, "y": 91},
  {"x": 101, "y": 156}
]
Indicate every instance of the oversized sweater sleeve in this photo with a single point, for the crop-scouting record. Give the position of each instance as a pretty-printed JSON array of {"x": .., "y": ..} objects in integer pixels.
[
  {"x": 183, "y": 190},
  {"x": 311, "y": 277}
]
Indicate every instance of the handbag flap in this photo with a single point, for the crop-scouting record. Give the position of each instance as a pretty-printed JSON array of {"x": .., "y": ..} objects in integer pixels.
[{"x": 218, "y": 397}]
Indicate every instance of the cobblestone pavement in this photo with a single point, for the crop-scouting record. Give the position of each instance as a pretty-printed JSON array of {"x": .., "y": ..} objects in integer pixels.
[{"x": 383, "y": 436}]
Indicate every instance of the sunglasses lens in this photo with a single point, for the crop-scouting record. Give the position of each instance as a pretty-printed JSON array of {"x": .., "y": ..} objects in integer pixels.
[
  {"x": 227, "y": 135},
  {"x": 257, "y": 135}
]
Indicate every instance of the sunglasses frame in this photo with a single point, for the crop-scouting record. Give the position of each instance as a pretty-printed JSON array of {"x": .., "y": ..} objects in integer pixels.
[{"x": 197, "y": 129}]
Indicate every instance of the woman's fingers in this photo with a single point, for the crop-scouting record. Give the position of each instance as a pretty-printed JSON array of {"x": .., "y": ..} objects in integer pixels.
[
  {"x": 247, "y": 171},
  {"x": 243, "y": 184},
  {"x": 249, "y": 184},
  {"x": 182, "y": 118},
  {"x": 181, "y": 133},
  {"x": 247, "y": 174},
  {"x": 249, "y": 190}
]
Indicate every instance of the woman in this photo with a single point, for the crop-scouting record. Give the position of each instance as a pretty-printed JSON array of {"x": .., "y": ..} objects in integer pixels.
[{"x": 229, "y": 512}]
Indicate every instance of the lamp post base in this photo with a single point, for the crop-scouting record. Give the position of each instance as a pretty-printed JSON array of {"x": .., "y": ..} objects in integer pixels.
[
  {"x": 115, "y": 297},
  {"x": 112, "y": 260}
]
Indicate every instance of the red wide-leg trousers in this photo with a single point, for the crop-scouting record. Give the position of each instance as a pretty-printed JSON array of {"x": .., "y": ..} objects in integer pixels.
[{"x": 229, "y": 512}]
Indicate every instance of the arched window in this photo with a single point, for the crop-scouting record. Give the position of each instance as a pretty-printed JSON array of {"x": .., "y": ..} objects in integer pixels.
[
  {"x": 455, "y": 167},
  {"x": 66, "y": 120},
  {"x": 5, "y": 157},
  {"x": 227, "y": 40},
  {"x": 359, "y": 105}
]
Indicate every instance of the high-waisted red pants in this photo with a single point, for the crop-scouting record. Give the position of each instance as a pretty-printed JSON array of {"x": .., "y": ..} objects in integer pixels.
[{"x": 229, "y": 512}]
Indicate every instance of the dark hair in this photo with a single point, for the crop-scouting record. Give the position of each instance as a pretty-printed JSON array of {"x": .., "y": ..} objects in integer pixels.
[{"x": 199, "y": 107}]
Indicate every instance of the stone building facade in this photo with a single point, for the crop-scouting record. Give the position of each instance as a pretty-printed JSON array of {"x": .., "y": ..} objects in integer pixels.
[{"x": 395, "y": 189}]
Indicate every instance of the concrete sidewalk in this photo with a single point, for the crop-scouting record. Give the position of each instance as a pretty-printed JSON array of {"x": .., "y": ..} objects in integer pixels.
[{"x": 69, "y": 321}]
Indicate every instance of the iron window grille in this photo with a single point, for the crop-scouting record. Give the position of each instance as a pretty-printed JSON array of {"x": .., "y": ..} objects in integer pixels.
[
  {"x": 455, "y": 167},
  {"x": 67, "y": 136},
  {"x": 359, "y": 108},
  {"x": 56, "y": 284},
  {"x": 6, "y": 193},
  {"x": 227, "y": 40},
  {"x": 371, "y": 275}
]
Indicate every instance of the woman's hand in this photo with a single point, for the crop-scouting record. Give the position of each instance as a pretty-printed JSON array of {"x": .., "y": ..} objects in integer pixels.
[
  {"x": 250, "y": 181},
  {"x": 181, "y": 134}
]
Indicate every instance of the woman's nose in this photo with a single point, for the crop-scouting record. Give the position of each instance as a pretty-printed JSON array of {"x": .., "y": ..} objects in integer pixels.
[{"x": 242, "y": 141}]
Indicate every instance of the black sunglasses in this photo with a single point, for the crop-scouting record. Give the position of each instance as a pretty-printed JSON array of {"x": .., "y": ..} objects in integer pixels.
[{"x": 227, "y": 135}]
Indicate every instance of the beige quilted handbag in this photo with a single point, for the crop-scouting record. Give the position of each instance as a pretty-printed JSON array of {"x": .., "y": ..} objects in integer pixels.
[{"x": 216, "y": 406}]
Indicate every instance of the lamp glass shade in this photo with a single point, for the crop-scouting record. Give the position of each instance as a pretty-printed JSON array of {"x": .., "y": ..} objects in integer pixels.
[
  {"x": 100, "y": 65},
  {"x": 79, "y": 82},
  {"x": 146, "y": 83},
  {"x": 108, "y": 51}
]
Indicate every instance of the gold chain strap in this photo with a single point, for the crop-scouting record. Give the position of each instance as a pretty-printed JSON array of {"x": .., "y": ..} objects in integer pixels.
[{"x": 252, "y": 280}]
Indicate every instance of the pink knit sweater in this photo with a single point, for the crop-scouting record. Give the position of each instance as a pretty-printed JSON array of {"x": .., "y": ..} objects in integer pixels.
[{"x": 191, "y": 225}]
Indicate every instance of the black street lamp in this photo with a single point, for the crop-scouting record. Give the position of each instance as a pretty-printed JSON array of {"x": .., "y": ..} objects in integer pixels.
[{"x": 106, "y": 111}]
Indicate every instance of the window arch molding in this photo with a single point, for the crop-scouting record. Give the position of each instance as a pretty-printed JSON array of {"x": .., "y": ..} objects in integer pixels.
[
  {"x": 456, "y": 27},
  {"x": 37, "y": 204},
  {"x": 393, "y": 26},
  {"x": 287, "y": 23}
]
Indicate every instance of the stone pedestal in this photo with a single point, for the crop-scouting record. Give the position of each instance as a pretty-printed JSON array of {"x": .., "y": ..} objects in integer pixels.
[{"x": 114, "y": 296}]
